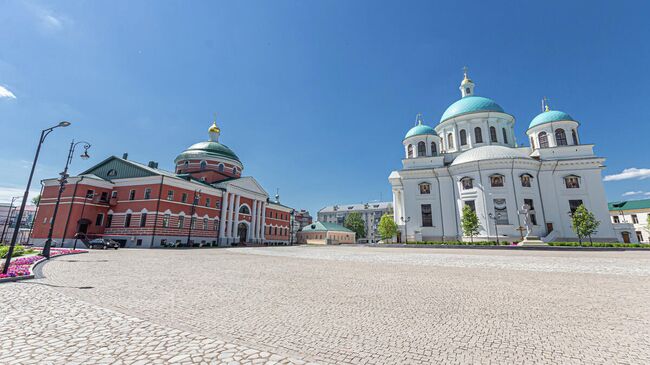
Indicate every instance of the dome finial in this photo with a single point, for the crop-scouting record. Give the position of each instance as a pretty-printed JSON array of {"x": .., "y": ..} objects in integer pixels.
[
  {"x": 214, "y": 131},
  {"x": 418, "y": 119},
  {"x": 545, "y": 106},
  {"x": 467, "y": 85}
]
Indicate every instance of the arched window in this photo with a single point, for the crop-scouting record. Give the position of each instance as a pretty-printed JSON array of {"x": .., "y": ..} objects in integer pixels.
[
  {"x": 525, "y": 180},
  {"x": 560, "y": 137},
  {"x": 505, "y": 135},
  {"x": 422, "y": 149},
  {"x": 450, "y": 141},
  {"x": 186, "y": 163},
  {"x": 574, "y": 136},
  {"x": 244, "y": 210},
  {"x": 543, "y": 140},
  {"x": 409, "y": 149},
  {"x": 203, "y": 165},
  {"x": 532, "y": 143},
  {"x": 493, "y": 135},
  {"x": 434, "y": 149},
  {"x": 234, "y": 171},
  {"x": 112, "y": 172},
  {"x": 463, "y": 137},
  {"x": 220, "y": 168},
  {"x": 478, "y": 135}
]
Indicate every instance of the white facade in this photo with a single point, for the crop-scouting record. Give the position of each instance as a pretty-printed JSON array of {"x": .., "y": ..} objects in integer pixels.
[{"x": 471, "y": 157}]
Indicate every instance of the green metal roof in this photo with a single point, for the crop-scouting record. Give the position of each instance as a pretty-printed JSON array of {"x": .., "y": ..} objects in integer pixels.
[
  {"x": 629, "y": 205},
  {"x": 420, "y": 129},
  {"x": 207, "y": 149},
  {"x": 548, "y": 117},
  {"x": 325, "y": 226},
  {"x": 471, "y": 104}
]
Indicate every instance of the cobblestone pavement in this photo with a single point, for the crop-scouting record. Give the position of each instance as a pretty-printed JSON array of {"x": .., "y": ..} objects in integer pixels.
[{"x": 344, "y": 305}]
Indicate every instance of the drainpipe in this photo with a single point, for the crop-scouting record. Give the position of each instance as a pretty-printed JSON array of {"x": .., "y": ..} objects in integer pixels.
[
  {"x": 74, "y": 193},
  {"x": 442, "y": 219},
  {"x": 155, "y": 221}
]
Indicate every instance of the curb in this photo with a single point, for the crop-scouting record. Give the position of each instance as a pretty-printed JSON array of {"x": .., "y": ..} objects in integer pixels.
[
  {"x": 532, "y": 248},
  {"x": 34, "y": 268}
]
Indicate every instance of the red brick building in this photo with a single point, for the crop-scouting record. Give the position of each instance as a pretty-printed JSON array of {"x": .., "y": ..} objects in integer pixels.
[{"x": 206, "y": 201}]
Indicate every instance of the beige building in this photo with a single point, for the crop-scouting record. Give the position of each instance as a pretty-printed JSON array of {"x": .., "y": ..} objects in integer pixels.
[
  {"x": 632, "y": 218},
  {"x": 325, "y": 233}
]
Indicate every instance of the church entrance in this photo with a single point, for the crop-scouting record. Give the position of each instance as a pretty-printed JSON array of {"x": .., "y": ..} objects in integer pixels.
[
  {"x": 83, "y": 226},
  {"x": 242, "y": 232}
]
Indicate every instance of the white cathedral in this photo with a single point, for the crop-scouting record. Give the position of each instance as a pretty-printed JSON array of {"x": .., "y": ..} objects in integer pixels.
[{"x": 471, "y": 158}]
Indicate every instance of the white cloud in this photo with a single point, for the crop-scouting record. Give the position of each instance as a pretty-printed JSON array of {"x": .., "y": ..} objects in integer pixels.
[
  {"x": 51, "y": 21},
  {"x": 6, "y": 193},
  {"x": 631, "y": 173},
  {"x": 632, "y": 193},
  {"x": 6, "y": 93}
]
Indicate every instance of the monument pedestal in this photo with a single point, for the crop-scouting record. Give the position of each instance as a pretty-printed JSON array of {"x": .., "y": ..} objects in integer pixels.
[{"x": 532, "y": 241}]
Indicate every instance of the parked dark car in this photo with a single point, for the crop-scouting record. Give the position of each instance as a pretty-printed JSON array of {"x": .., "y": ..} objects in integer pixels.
[{"x": 103, "y": 244}]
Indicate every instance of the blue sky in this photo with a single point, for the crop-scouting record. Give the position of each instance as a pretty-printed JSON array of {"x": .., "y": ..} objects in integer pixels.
[{"x": 314, "y": 96}]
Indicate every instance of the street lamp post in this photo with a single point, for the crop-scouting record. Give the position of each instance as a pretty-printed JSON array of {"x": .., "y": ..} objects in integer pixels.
[
  {"x": 83, "y": 207},
  {"x": 496, "y": 226},
  {"x": 291, "y": 223},
  {"x": 62, "y": 181},
  {"x": 406, "y": 231},
  {"x": 19, "y": 218},
  {"x": 11, "y": 207},
  {"x": 197, "y": 196}
]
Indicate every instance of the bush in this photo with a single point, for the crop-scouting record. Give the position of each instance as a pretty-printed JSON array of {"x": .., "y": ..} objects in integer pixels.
[
  {"x": 461, "y": 243},
  {"x": 600, "y": 244},
  {"x": 18, "y": 251}
]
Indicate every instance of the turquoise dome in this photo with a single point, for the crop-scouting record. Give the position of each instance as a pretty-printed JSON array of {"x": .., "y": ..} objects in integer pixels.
[
  {"x": 418, "y": 130},
  {"x": 471, "y": 104},
  {"x": 548, "y": 117}
]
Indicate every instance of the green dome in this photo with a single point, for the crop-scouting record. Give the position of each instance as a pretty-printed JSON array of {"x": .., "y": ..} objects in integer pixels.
[
  {"x": 420, "y": 129},
  {"x": 471, "y": 104},
  {"x": 548, "y": 117},
  {"x": 207, "y": 149}
]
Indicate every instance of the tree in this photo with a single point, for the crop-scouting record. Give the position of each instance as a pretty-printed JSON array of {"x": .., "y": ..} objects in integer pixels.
[
  {"x": 469, "y": 222},
  {"x": 36, "y": 199},
  {"x": 355, "y": 223},
  {"x": 387, "y": 227},
  {"x": 584, "y": 223}
]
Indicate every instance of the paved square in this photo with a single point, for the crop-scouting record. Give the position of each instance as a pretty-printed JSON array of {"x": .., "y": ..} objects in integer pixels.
[{"x": 347, "y": 305}]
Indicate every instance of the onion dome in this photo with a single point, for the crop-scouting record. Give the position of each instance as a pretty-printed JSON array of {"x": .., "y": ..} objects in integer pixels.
[
  {"x": 420, "y": 129},
  {"x": 549, "y": 116},
  {"x": 492, "y": 152},
  {"x": 471, "y": 104}
]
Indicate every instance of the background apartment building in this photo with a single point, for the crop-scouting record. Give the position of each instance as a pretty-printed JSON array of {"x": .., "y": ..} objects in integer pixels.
[{"x": 370, "y": 213}]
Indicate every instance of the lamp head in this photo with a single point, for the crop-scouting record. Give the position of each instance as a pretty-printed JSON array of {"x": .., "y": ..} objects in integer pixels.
[
  {"x": 85, "y": 155},
  {"x": 64, "y": 123}
]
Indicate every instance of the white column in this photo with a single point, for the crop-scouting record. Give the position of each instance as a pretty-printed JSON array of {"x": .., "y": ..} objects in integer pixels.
[
  {"x": 254, "y": 221},
  {"x": 236, "y": 217},
  {"x": 230, "y": 218},
  {"x": 222, "y": 219},
  {"x": 263, "y": 227}
]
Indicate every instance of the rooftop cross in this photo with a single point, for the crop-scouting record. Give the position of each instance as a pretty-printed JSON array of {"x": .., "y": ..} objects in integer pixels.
[
  {"x": 465, "y": 71},
  {"x": 418, "y": 119},
  {"x": 545, "y": 106}
]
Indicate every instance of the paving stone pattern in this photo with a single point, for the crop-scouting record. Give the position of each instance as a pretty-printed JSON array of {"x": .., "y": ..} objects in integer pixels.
[{"x": 340, "y": 305}]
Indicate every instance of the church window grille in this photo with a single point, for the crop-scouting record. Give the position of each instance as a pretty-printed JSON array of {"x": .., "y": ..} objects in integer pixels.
[
  {"x": 493, "y": 135},
  {"x": 543, "y": 140},
  {"x": 422, "y": 149},
  {"x": 478, "y": 135},
  {"x": 427, "y": 218},
  {"x": 450, "y": 141},
  {"x": 409, "y": 151},
  {"x": 501, "y": 211},
  {"x": 463, "y": 137},
  {"x": 496, "y": 181},
  {"x": 434, "y": 149},
  {"x": 425, "y": 188},
  {"x": 560, "y": 137},
  {"x": 574, "y": 204},
  {"x": 505, "y": 135}
]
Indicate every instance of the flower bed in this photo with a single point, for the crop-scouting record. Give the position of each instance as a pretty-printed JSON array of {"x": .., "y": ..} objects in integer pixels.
[{"x": 22, "y": 267}]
